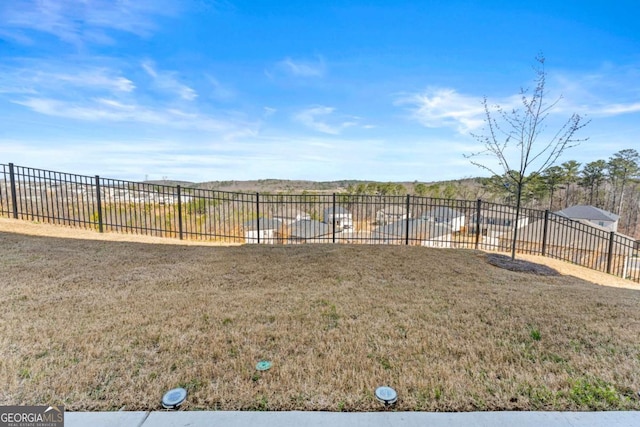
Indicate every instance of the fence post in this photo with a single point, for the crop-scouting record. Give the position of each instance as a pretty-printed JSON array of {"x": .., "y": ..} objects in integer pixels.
[
  {"x": 478, "y": 208},
  {"x": 99, "y": 202},
  {"x": 258, "y": 214},
  {"x": 179, "y": 213},
  {"x": 407, "y": 230},
  {"x": 14, "y": 198},
  {"x": 610, "y": 254},
  {"x": 333, "y": 217},
  {"x": 544, "y": 232}
]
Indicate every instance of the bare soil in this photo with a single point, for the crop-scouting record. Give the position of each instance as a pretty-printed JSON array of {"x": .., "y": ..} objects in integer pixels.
[
  {"x": 104, "y": 325},
  {"x": 523, "y": 266}
]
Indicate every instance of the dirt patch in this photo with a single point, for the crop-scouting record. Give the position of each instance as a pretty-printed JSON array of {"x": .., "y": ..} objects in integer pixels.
[{"x": 519, "y": 265}]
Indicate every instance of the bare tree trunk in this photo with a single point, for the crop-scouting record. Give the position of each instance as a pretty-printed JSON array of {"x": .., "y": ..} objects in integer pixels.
[{"x": 515, "y": 226}]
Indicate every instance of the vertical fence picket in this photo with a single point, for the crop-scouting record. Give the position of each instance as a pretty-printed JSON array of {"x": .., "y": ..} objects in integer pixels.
[
  {"x": 545, "y": 230},
  {"x": 408, "y": 207},
  {"x": 478, "y": 219},
  {"x": 333, "y": 218},
  {"x": 99, "y": 204},
  {"x": 179, "y": 212},
  {"x": 610, "y": 252},
  {"x": 258, "y": 215},
  {"x": 14, "y": 197}
]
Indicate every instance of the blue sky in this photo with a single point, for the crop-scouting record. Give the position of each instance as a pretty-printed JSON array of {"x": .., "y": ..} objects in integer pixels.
[{"x": 205, "y": 90}]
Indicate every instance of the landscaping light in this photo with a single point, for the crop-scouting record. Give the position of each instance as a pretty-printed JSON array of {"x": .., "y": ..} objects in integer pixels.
[
  {"x": 386, "y": 395},
  {"x": 174, "y": 398},
  {"x": 263, "y": 365}
]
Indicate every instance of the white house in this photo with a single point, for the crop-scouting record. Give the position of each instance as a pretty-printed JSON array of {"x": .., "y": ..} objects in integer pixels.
[
  {"x": 447, "y": 216},
  {"x": 342, "y": 217},
  {"x": 496, "y": 222},
  {"x": 599, "y": 217},
  {"x": 421, "y": 232},
  {"x": 289, "y": 216},
  {"x": 391, "y": 214},
  {"x": 267, "y": 229}
]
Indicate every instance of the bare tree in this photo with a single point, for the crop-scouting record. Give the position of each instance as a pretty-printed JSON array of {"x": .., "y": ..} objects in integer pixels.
[
  {"x": 622, "y": 167},
  {"x": 517, "y": 140}
]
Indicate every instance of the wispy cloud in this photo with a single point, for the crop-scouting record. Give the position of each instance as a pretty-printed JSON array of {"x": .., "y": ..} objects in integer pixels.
[
  {"x": 140, "y": 94},
  {"x": 81, "y": 21},
  {"x": 611, "y": 90},
  {"x": 35, "y": 78},
  {"x": 269, "y": 111},
  {"x": 168, "y": 81},
  {"x": 302, "y": 68},
  {"x": 220, "y": 91},
  {"x": 444, "y": 107},
  {"x": 110, "y": 110},
  {"x": 617, "y": 109},
  {"x": 316, "y": 118}
]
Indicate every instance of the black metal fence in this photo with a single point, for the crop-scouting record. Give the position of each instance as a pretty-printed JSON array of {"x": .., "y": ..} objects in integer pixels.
[{"x": 109, "y": 205}]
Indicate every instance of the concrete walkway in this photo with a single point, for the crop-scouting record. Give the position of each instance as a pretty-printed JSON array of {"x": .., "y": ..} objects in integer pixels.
[{"x": 353, "y": 419}]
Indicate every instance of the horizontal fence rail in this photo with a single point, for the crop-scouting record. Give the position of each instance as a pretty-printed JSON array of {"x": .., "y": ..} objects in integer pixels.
[{"x": 110, "y": 205}]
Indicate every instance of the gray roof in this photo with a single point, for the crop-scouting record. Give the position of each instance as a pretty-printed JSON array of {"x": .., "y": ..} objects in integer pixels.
[
  {"x": 339, "y": 211},
  {"x": 308, "y": 229},
  {"x": 501, "y": 212},
  {"x": 587, "y": 212},
  {"x": 418, "y": 229},
  {"x": 442, "y": 212},
  {"x": 393, "y": 210},
  {"x": 265, "y": 224}
]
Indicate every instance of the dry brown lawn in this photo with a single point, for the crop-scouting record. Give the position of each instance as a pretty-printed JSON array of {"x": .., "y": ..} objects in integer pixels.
[{"x": 102, "y": 325}]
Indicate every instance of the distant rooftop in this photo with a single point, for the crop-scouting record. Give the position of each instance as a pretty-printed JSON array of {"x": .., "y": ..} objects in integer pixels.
[
  {"x": 587, "y": 212},
  {"x": 265, "y": 224},
  {"x": 308, "y": 229}
]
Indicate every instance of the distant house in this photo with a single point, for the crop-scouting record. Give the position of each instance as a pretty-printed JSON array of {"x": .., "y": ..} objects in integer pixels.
[
  {"x": 421, "y": 232},
  {"x": 445, "y": 215},
  {"x": 599, "y": 217},
  {"x": 289, "y": 216},
  {"x": 496, "y": 222},
  {"x": 268, "y": 230},
  {"x": 391, "y": 214},
  {"x": 342, "y": 217},
  {"x": 309, "y": 231}
]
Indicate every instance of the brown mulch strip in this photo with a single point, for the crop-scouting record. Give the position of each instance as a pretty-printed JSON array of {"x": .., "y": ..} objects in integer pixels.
[{"x": 522, "y": 266}]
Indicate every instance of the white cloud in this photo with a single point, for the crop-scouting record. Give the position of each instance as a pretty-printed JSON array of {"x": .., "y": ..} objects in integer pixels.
[
  {"x": 167, "y": 81},
  {"x": 220, "y": 91},
  {"x": 617, "y": 109},
  {"x": 443, "y": 107},
  {"x": 81, "y": 21},
  {"x": 38, "y": 77},
  {"x": 316, "y": 118},
  {"x": 106, "y": 110},
  {"x": 608, "y": 91},
  {"x": 302, "y": 68}
]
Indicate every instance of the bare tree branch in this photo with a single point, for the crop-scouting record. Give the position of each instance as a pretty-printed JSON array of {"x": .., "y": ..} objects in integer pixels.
[{"x": 524, "y": 130}]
